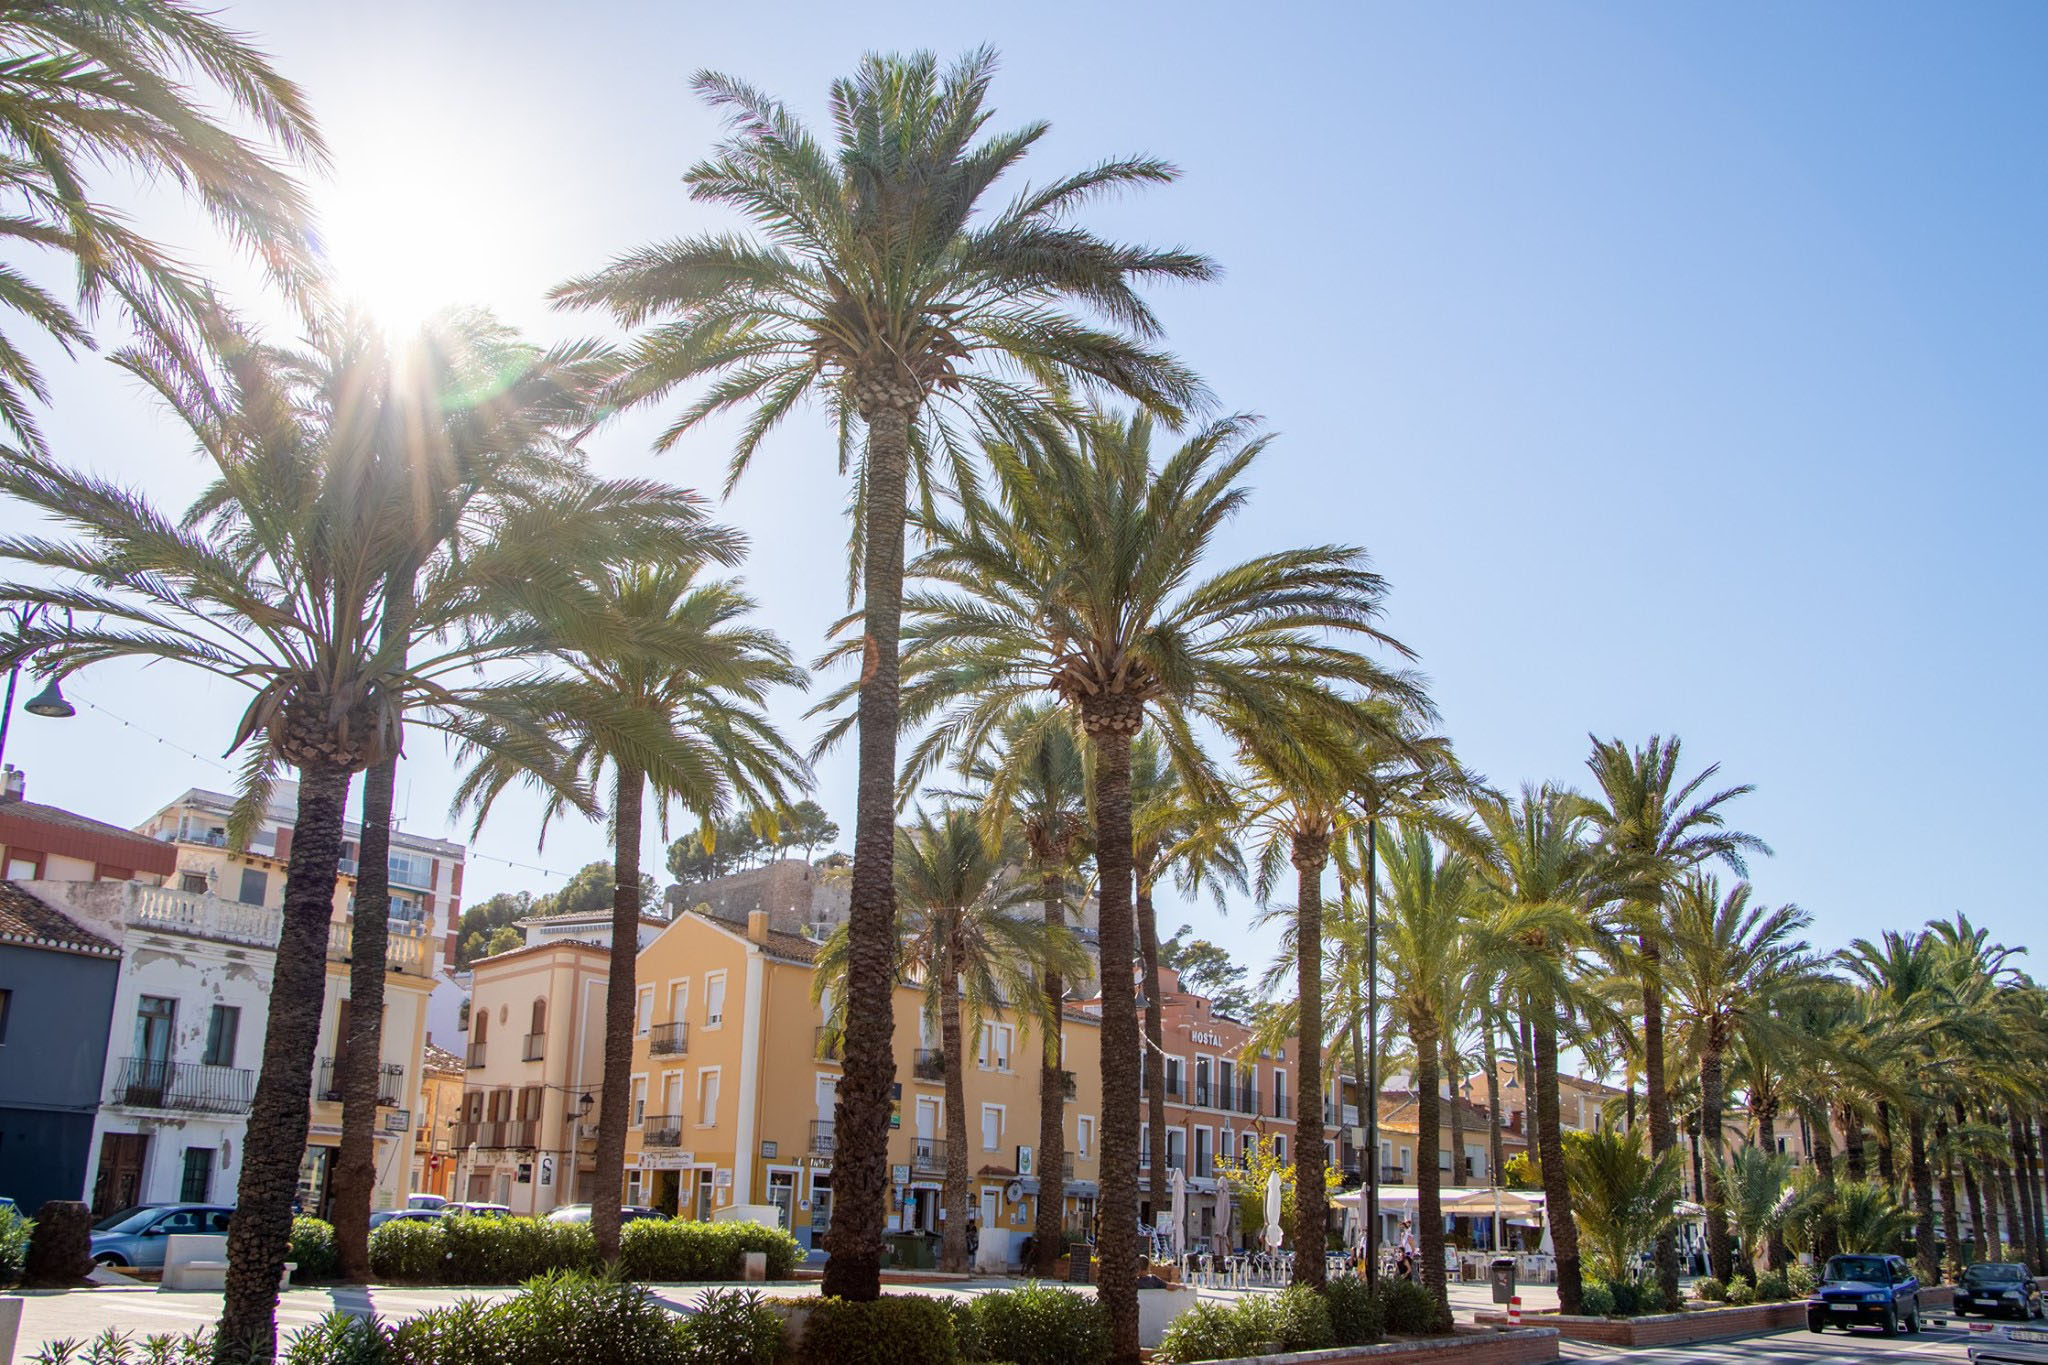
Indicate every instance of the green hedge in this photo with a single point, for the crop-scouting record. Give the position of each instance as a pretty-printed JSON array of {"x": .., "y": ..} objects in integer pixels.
[
  {"x": 892, "y": 1330},
  {"x": 559, "y": 1319},
  {"x": 313, "y": 1251},
  {"x": 1039, "y": 1324},
  {"x": 15, "y": 1230},
  {"x": 1354, "y": 1311},
  {"x": 1707, "y": 1289},
  {"x": 1407, "y": 1308},
  {"x": 466, "y": 1250}
]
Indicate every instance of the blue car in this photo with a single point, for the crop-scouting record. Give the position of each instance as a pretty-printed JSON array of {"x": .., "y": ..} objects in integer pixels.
[
  {"x": 1870, "y": 1290},
  {"x": 135, "y": 1238}
]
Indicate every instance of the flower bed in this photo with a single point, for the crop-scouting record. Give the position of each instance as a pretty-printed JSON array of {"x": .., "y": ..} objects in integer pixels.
[
  {"x": 1669, "y": 1329},
  {"x": 1470, "y": 1346}
]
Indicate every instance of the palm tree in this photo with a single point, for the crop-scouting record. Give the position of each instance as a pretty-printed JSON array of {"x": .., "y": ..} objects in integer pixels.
[
  {"x": 655, "y": 677},
  {"x": 1869, "y": 1217},
  {"x": 1132, "y": 628},
  {"x": 1033, "y": 786},
  {"x": 1536, "y": 861},
  {"x": 95, "y": 85},
  {"x": 1730, "y": 963},
  {"x": 1174, "y": 832},
  {"x": 885, "y": 283},
  {"x": 1624, "y": 1197},
  {"x": 959, "y": 936},
  {"x": 1652, "y": 829}
]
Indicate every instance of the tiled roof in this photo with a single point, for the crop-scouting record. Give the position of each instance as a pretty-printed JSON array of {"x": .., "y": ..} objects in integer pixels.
[
  {"x": 53, "y": 829},
  {"x": 28, "y": 921},
  {"x": 441, "y": 1059}
]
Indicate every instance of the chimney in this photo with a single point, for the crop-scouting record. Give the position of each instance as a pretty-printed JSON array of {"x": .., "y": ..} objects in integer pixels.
[
  {"x": 757, "y": 925},
  {"x": 13, "y": 784}
]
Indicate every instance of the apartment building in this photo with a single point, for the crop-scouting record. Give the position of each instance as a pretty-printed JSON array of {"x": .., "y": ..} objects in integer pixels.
[
  {"x": 433, "y": 1130},
  {"x": 525, "y": 1134},
  {"x": 426, "y": 891},
  {"x": 49, "y": 843},
  {"x": 735, "y": 1082}
]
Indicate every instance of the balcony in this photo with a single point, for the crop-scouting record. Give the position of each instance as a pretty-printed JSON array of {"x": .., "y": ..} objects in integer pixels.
[
  {"x": 669, "y": 1040},
  {"x": 390, "y": 1082},
  {"x": 1067, "y": 1084},
  {"x": 821, "y": 1137},
  {"x": 498, "y": 1134},
  {"x": 182, "y": 1087},
  {"x": 200, "y": 915},
  {"x": 414, "y": 872},
  {"x": 476, "y": 1055},
  {"x": 1201, "y": 1093},
  {"x": 928, "y": 1064},
  {"x": 406, "y": 950},
  {"x": 927, "y": 1156},
  {"x": 1280, "y": 1106},
  {"x": 661, "y": 1130},
  {"x": 829, "y": 1045},
  {"x": 1247, "y": 1099},
  {"x": 536, "y": 1046}
]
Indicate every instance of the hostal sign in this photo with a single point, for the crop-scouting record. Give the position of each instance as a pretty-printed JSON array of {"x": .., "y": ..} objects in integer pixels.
[{"x": 1211, "y": 1039}]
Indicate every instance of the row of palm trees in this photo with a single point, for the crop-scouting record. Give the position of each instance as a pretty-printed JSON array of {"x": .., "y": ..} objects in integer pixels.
[{"x": 406, "y": 536}]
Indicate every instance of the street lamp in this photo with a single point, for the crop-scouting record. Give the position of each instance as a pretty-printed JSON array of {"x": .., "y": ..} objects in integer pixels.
[{"x": 48, "y": 702}]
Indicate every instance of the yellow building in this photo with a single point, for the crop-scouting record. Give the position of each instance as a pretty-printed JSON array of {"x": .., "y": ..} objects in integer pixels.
[
  {"x": 433, "y": 1130},
  {"x": 734, "y": 1085}
]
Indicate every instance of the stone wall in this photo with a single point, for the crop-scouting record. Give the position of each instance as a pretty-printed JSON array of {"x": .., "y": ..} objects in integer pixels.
[{"x": 793, "y": 892}]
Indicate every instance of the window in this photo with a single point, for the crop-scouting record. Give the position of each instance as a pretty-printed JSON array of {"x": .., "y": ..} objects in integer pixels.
[
  {"x": 991, "y": 1127},
  {"x": 707, "y": 1097},
  {"x": 194, "y": 882},
  {"x": 714, "y": 1000},
  {"x": 1144, "y": 1144},
  {"x": 1084, "y": 1135},
  {"x": 679, "y": 1001},
  {"x": 23, "y": 869},
  {"x": 154, "y": 1017},
  {"x": 540, "y": 1017},
  {"x": 639, "y": 1100},
  {"x": 479, "y": 1026},
  {"x": 1201, "y": 1151},
  {"x": 632, "y": 1187},
  {"x": 643, "y": 1012},
  {"x": 1280, "y": 1148},
  {"x": 222, "y": 1028},
  {"x": 255, "y": 886},
  {"x": 529, "y": 1101},
  {"x": 1176, "y": 1149},
  {"x": 197, "y": 1186},
  {"x": 6, "y": 1000},
  {"x": 1173, "y": 1065},
  {"x": 995, "y": 1047}
]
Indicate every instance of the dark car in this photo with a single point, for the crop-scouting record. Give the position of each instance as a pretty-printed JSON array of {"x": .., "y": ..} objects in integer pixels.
[
  {"x": 136, "y": 1237},
  {"x": 1999, "y": 1289},
  {"x": 1867, "y": 1290}
]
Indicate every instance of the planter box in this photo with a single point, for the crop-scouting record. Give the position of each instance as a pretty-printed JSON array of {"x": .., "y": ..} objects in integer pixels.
[
  {"x": 1669, "y": 1329},
  {"x": 1471, "y": 1346},
  {"x": 1157, "y": 1308}
]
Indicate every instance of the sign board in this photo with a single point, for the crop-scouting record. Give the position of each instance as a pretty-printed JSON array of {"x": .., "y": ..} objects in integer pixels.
[
  {"x": 900, "y": 1174},
  {"x": 547, "y": 1171},
  {"x": 1201, "y": 1037},
  {"x": 660, "y": 1160},
  {"x": 397, "y": 1120},
  {"x": 1025, "y": 1157},
  {"x": 768, "y": 1150},
  {"x": 525, "y": 1176},
  {"x": 723, "y": 1178}
]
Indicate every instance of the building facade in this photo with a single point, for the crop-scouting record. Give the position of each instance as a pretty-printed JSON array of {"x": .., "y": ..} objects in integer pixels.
[
  {"x": 440, "y": 1106},
  {"x": 57, "y": 983}
]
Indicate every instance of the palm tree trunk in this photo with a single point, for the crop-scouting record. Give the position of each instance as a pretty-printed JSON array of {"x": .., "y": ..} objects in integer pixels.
[
  {"x": 1657, "y": 1098},
  {"x": 1311, "y": 1195},
  {"x": 1922, "y": 1173},
  {"x": 1887, "y": 1165},
  {"x": 1118, "y": 1289},
  {"x": 1557, "y": 1192},
  {"x": 1429, "y": 1200},
  {"x": 1986, "y": 1215},
  {"x": 1720, "y": 1250},
  {"x": 1048, "y": 1230},
  {"x": 275, "y": 1143},
  {"x": 860, "y": 1163},
  {"x": 1852, "y": 1143},
  {"x": 953, "y": 1242},
  {"x": 355, "y": 1166},
  {"x": 1826, "y": 1239},
  {"x": 2018, "y": 1236},
  {"x": 1775, "y": 1255},
  {"x": 1155, "y": 1043},
  {"x": 2040, "y": 1192},
  {"x": 615, "y": 1092},
  {"x": 2027, "y": 1171},
  {"x": 1453, "y": 1075},
  {"x": 1493, "y": 1146},
  {"x": 1945, "y": 1187}
]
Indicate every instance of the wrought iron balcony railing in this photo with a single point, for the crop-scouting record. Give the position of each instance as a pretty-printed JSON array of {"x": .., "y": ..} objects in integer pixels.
[
  {"x": 182, "y": 1087},
  {"x": 669, "y": 1040}
]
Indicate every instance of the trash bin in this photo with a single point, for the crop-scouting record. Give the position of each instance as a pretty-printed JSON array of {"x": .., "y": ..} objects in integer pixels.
[{"x": 1502, "y": 1272}]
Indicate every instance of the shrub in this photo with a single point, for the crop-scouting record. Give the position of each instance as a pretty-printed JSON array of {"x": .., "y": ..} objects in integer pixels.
[
  {"x": 732, "y": 1327},
  {"x": 1802, "y": 1280},
  {"x": 966, "y": 1331},
  {"x": 1707, "y": 1289},
  {"x": 512, "y": 1250},
  {"x": 1354, "y": 1311},
  {"x": 1627, "y": 1296},
  {"x": 1407, "y": 1308},
  {"x": 313, "y": 1249},
  {"x": 15, "y": 1229},
  {"x": 898, "y": 1330},
  {"x": 1038, "y": 1325},
  {"x": 409, "y": 1250},
  {"x": 1303, "y": 1320},
  {"x": 339, "y": 1339},
  {"x": 559, "y": 1319},
  {"x": 1741, "y": 1293},
  {"x": 1258, "y": 1322},
  {"x": 1208, "y": 1331},
  {"x": 112, "y": 1347},
  {"x": 1650, "y": 1299},
  {"x": 1773, "y": 1288},
  {"x": 1596, "y": 1299},
  {"x": 679, "y": 1249}
]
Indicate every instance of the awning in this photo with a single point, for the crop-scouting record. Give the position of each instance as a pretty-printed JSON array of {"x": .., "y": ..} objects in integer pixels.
[
  {"x": 1484, "y": 1202},
  {"x": 1076, "y": 1188}
]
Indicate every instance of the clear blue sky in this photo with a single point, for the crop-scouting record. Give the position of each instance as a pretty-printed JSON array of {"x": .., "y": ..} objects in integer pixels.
[{"x": 1680, "y": 366}]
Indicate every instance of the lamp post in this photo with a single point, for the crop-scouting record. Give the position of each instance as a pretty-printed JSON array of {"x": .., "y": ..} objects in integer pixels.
[
  {"x": 1372, "y": 1050},
  {"x": 48, "y": 702}
]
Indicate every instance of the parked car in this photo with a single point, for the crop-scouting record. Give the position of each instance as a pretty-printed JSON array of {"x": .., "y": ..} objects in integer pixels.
[
  {"x": 1999, "y": 1289},
  {"x": 379, "y": 1219},
  {"x": 476, "y": 1210},
  {"x": 433, "y": 1203},
  {"x": 1867, "y": 1290},
  {"x": 580, "y": 1213},
  {"x": 2001, "y": 1343},
  {"x": 136, "y": 1237}
]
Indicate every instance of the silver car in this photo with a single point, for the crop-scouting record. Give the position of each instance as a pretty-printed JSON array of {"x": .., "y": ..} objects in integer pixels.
[{"x": 1999, "y": 1343}]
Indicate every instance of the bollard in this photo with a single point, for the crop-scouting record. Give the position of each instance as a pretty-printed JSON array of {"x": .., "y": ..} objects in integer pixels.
[
  {"x": 10, "y": 1327},
  {"x": 1515, "y": 1311}
]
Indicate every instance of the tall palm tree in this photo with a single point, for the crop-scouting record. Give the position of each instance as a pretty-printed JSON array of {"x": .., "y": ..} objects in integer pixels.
[
  {"x": 1653, "y": 828},
  {"x": 1536, "y": 860},
  {"x": 1730, "y": 964},
  {"x": 959, "y": 935},
  {"x": 1179, "y": 833},
  {"x": 95, "y": 85},
  {"x": 655, "y": 677},
  {"x": 1134, "y": 628},
  {"x": 1033, "y": 787},
  {"x": 276, "y": 581},
  {"x": 885, "y": 282}
]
